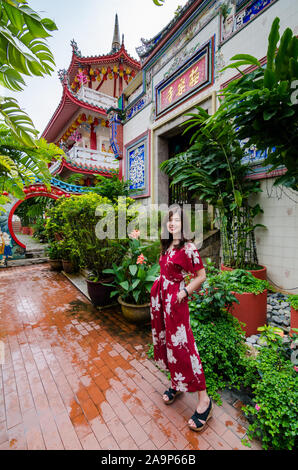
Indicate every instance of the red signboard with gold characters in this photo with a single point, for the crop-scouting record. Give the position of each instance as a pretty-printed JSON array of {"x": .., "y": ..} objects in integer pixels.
[{"x": 195, "y": 74}]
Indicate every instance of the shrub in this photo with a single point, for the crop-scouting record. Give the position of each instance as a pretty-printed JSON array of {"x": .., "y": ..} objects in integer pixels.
[{"x": 274, "y": 415}]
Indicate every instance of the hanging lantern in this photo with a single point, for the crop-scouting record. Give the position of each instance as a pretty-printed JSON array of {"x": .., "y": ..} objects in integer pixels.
[
  {"x": 110, "y": 75},
  {"x": 83, "y": 117},
  {"x": 103, "y": 123},
  {"x": 133, "y": 73},
  {"x": 90, "y": 120},
  {"x": 115, "y": 69},
  {"x": 125, "y": 77},
  {"x": 109, "y": 70},
  {"x": 128, "y": 71},
  {"x": 91, "y": 71},
  {"x": 103, "y": 70},
  {"x": 107, "y": 124},
  {"x": 96, "y": 122}
]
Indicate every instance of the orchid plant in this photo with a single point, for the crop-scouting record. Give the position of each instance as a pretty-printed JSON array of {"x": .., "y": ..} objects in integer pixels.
[{"x": 135, "y": 275}]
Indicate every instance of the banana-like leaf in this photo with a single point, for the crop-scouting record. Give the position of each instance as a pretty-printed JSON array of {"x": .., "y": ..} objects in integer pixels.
[{"x": 18, "y": 121}]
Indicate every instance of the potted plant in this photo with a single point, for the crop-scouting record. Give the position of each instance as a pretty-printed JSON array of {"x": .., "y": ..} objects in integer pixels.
[
  {"x": 54, "y": 252},
  {"x": 294, "y": 312},
  {"x": 133, "y": 279},
  {"x": 251, "y": 294},
  {"x": 68, "y": 256},
  {"x": 81, "y": 222},
  {"x": 213, "y": 170}
]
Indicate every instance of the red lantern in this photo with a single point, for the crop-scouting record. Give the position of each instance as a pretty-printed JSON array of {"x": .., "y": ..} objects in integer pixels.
[
  {"x": 26, "y": 190},
  {"x": 5, "y": 193},
  {"x": 109, "y": 70},
  {"x": 59, "y": 193}
]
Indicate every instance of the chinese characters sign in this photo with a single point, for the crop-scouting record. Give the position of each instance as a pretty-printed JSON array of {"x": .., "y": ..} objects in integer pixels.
[{"x": 187, "y": 80}]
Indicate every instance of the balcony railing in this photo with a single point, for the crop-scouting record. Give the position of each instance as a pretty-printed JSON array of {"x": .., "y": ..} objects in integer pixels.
[
  {"x": 97, "y": 98},
  {"x": 92, "y": 158}
]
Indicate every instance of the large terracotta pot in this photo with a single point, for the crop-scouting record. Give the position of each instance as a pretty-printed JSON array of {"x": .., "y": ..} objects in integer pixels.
[
  {"x": 258, "y": 273},
  {"x": 56, "y": 264},
  {"x": 294, "y": 320},
  {"x": 135, "y": 313},
  {"x": 99, "y": 293},
  {"x": 252, "y": 310}
]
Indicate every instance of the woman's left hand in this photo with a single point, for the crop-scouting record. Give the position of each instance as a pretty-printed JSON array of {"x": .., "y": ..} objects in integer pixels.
[{"x": 181, "y": 295}]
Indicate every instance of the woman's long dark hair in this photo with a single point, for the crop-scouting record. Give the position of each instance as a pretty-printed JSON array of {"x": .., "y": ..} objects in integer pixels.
[{"x": 166, "y": 237}]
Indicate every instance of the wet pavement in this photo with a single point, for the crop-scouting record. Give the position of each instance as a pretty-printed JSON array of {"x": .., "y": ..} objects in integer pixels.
[{"x": 74, "y": 377}]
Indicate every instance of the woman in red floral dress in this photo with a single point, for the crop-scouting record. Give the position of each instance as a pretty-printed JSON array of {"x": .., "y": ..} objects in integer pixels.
[{"x": 175, "y": 349}]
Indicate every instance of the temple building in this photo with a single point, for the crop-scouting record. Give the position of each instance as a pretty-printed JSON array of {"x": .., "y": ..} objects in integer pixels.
[{"x": 81, "y": 124}]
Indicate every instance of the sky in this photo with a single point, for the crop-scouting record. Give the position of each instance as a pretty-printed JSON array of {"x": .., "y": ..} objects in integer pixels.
[{"x": 91, "y": 24}]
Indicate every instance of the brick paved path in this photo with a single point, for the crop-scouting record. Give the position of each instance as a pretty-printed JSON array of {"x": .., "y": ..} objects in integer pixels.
[{"x": 78, "y": 378}]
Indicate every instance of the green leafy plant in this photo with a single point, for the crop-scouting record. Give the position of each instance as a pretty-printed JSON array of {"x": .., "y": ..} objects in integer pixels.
[
  {"x": 273, "y": 414},
  {"x": 212, "y": 169},
  {"x": 23, "y": 51},
  {"x": 76, "y": 219},
  {"x": 293, "y": 299},
  {"x": 134, "y": 276},
  {"x": 54, "y": 251},
  {"x": 262, "y": 105},
  {"x": 240, "y": 281}
]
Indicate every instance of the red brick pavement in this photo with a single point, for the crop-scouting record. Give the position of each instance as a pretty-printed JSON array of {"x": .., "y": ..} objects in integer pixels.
[{"x": 75, "y": 377}]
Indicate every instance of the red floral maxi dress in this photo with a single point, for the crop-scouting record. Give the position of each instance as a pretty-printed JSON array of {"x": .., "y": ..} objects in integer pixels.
[{"x": 175, "y": 349}]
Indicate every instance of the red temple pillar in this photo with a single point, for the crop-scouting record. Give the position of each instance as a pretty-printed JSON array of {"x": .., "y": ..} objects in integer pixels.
[{"x": 93, "y": 140}]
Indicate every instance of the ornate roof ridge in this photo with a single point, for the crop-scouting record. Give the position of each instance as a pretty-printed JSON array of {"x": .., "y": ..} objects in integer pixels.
[{"x": 148, "y": 45}]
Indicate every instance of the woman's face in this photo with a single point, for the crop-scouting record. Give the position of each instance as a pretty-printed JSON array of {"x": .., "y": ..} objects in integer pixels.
[{"x": 174, "y": 225}]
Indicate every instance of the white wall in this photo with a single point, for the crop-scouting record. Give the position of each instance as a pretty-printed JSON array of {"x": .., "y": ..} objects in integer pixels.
[{"x": 277, "y": 246}]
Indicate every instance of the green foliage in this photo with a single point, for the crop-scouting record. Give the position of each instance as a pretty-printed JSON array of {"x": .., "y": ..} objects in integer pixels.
[
  {"x": 212, "y": 169},
  {"x": 134, "y": 276},
  {"x": 263, "y": 104},
  {"x": 54, "y": 250},
  {"x": 112, "y": 188},
  {"x": 240, "y": 281},
  {"x": 23, "y": 51},
  {"x": 274, "y": 417},
  {"x": 21, "y": 165},
  {"x": 75, "y": 219},
  {"x": 293, "y": 299}
]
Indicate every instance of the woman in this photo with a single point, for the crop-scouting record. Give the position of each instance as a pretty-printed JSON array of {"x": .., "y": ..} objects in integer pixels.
[{"x": 174, "y": 345}]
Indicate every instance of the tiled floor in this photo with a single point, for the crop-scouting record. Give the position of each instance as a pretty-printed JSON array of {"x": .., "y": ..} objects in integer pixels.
[{"x": 78, "y": 378}]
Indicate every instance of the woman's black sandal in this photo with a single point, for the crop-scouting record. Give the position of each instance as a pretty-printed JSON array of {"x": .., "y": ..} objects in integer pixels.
[
  {"x": 198, "y": 417},
  {"x": 171, "y": 394}
]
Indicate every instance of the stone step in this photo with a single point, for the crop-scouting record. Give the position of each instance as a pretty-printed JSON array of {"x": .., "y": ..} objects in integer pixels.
[{"x": 25, "y": 262}]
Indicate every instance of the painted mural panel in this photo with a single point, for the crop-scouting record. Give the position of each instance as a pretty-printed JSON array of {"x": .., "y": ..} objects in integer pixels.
[{"x": 137, "y": 166}]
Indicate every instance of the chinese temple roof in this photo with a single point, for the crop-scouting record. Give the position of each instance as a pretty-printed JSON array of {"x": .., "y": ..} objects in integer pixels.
[
  {"x": 150, "y": 46},
  {"x": 70, "y": 103},
  {"x": 67, "y": 108}
]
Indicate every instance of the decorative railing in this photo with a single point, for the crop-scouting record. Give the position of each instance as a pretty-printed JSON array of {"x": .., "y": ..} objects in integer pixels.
[
  {"x": 54, "y": 167},
  {"x": 92, "y": 158},
  {"x": 97, "y": 98}
]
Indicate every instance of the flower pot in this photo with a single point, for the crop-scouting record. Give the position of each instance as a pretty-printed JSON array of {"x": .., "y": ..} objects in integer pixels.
[
  {"x": 135, "y": 313},
  {"x": 68, "y": 266},
  {"x": 252, "y": 310},
  {"x": 25, "y": 230},
  {"x": 294, "y": 320},
  {"x": 99, "y": 293},
  {"x": 56, "y": 264},
  {"x": 258, "y": 273}
]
